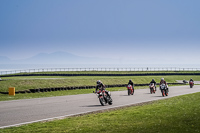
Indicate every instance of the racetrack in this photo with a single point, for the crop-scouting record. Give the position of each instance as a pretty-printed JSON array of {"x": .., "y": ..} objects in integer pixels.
[{"x": 18, "y": 112}]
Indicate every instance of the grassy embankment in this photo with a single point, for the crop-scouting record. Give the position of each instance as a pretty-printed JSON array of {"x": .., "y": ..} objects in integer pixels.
[
  {"x": 33, "y": 82},
  {"x": 175, "y": 115},
  {"x": 104, "y": 72},
  {"x": 126, "y": 71}
]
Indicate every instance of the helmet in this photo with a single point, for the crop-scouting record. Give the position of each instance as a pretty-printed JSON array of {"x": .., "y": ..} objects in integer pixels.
[
  {"x": 152, "y": 79},
  {"x": 98, "y": 81},
  {"x": 191, "y": 79},
  {"x": 162, "y": 78},
  {"x": 130, "y": 80}
]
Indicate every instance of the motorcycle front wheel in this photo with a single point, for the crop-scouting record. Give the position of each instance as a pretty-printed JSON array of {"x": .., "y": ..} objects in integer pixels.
[
  {"x": 129, "y": 91},
  {"x": 151, "y": 91},
  {"x": 166, "y": 92},
  {"x": 163, "y": 93},
  {"x": 102, "y": 101}
]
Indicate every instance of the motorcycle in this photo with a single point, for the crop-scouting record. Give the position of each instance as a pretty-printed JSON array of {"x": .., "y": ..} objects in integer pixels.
[
  {"x": 164, "y": 90},
  {"x": 152, "y": 88},
  {"x": 130, "y": 90},
  {"x": 184, "y": 81},
  {"x": 191, "y": 84},
  {"x": 104, "y": 97}
]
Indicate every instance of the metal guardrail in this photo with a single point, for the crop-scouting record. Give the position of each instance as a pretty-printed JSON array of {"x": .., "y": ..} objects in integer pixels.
[{"x": 99, "y": 69}]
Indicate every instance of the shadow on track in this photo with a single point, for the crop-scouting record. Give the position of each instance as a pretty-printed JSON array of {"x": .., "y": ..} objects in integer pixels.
[
  {"x": 125, "y": 95},
  {"x": 158, "y": 96},
  {"x": 92, "y": 106}
]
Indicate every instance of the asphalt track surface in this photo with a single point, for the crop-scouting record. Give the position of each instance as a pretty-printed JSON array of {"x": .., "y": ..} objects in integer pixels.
[{"x": 19, "y": 112}]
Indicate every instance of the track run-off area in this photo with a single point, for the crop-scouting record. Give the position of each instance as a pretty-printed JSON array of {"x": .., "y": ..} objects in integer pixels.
[{"x": 20, "y": 112}]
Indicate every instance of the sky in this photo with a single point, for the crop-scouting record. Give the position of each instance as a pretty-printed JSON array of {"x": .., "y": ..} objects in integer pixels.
[{"x": 166, "y": 31}]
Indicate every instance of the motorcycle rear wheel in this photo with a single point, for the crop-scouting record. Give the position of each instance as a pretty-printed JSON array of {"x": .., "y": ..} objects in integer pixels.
[
  {"x": 110, "y": 101},
  {"x": 133, "y": 91}
]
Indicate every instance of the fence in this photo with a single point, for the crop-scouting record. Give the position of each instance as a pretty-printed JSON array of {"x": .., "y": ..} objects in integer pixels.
[{"x": 99, "y": 69}]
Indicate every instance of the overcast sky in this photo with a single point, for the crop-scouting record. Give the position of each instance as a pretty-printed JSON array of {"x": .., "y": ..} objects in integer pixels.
[{"x": 167, "y": 30}]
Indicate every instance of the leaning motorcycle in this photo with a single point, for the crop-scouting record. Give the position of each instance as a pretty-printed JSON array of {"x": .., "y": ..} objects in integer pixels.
[
  {"x": 164, "y": 90},
  {"x": 104, "y": 97},
  {"x": 152, "y": 88},
  {"x": 191, "y": 84},
  {"x": 130, "y": 90}
]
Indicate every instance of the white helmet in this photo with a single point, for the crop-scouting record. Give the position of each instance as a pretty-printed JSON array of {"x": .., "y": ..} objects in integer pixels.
[
  {"x": 162, "y": 78},
  {"x": 98, "y": 81}
]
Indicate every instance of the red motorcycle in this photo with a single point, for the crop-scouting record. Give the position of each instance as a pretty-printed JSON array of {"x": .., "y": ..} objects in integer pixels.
[
  {"x": 191, "y": 84},
  {"x": 104, "y": 97},
  {"x": 130, "y": 90},
  {"x": 152, "y": 88}
]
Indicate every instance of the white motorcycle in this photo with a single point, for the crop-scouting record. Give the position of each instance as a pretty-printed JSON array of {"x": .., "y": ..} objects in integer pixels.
[{"x": 164, "y": 90}]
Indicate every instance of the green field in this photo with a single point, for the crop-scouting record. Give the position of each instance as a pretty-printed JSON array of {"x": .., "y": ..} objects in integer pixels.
[{"x": 175, "y": 115}]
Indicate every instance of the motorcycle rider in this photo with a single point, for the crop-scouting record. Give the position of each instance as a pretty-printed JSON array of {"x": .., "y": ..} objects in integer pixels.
[
  {"x": 191, "y": 80},
  {"x": 153, "y": 81},
  {"x": 101, "y": 86},
  {"x": 164, "y": 82},
  {"x": 131, "y": 83}
]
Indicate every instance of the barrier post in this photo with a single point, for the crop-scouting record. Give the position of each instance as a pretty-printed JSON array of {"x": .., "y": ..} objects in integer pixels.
[{"x": 11, "y": 91}]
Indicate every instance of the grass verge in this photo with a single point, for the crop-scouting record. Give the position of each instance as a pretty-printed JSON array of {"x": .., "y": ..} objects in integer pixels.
[
  {"x": 5, "y": 97},
  {"x": 177, "y": 114},
  {"x": 126, "y": 71}
]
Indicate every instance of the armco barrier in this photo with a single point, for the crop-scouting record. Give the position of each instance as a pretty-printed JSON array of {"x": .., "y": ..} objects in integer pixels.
[{"x": 78, "y": 87}]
